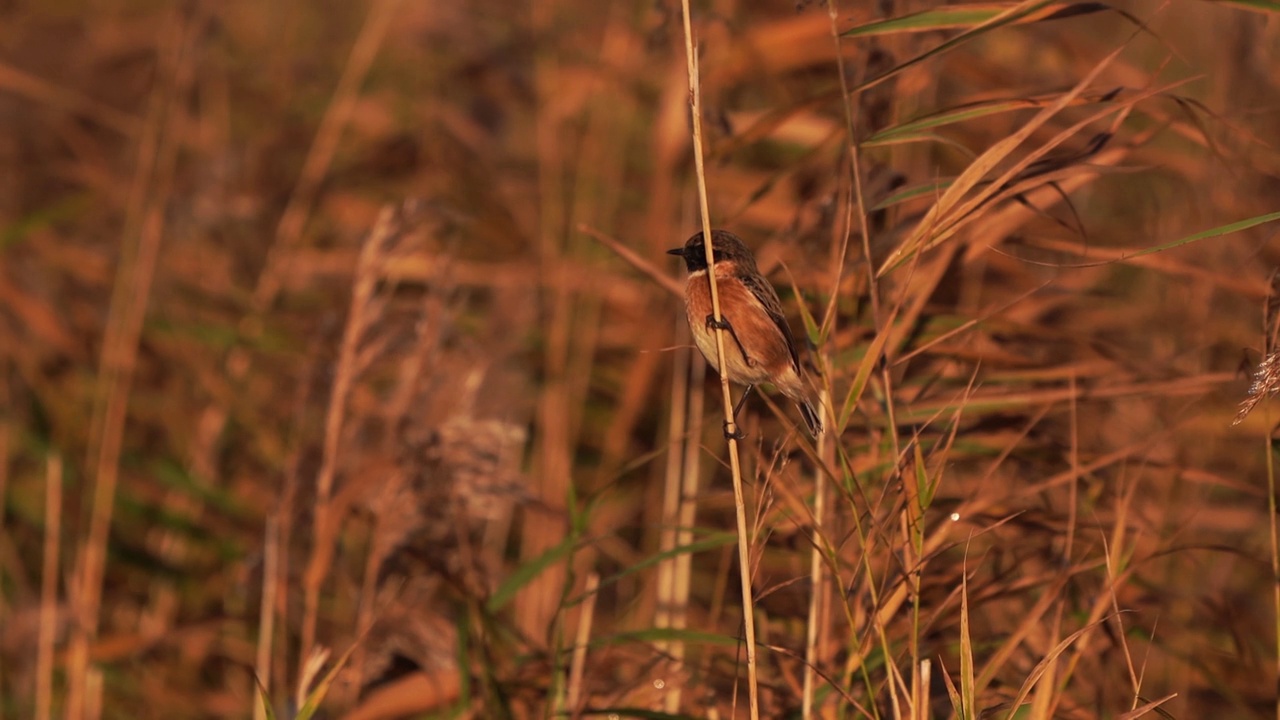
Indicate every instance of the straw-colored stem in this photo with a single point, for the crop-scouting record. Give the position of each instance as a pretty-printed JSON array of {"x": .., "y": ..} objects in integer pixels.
[
  {"x": 676, "y": 431},
  {"x": 1275, "y": 544},
  {"x": 579, "y": 664},
  {"x": 359, "y": 319},
  {"x": 49, "y": 588},
  {"x": 817, "y": 576},
  {"x": 267, "y": 615},
  {"x": 688, "y": 508},
  {"x": 5, "y": 431},
  {"x": 142, "y": 233},
  {"x": 744, "y": 541},
  {"x": 855, "y": 171}
]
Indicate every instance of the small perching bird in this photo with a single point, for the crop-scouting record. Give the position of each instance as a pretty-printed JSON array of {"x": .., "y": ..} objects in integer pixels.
[{"x": 759, "y": 347}]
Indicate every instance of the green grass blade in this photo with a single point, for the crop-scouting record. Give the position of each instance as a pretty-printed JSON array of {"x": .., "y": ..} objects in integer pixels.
[
  {"x": 1008, "y": 17},
  {"x": 968, "y": 701},
  {"x": 525, "y": 573},
  {"x": 943, "y": 18},
  {"x": 1266, "y": 6},
  {"x": 713, "y": 541},
  {"x": 631, "y": 712},
  {"x": 652, "y": 635},
  {"x": 264, "y": 698},
  {"x": 1212, "y": 232},
  {"x": 868, "y": 364}
]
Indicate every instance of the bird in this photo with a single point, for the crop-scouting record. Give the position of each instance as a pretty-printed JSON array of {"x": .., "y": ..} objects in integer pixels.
[{"x": 759, "y": 347}]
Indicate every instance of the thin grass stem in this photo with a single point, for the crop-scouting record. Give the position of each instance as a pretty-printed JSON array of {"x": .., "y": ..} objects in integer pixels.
[{"x": 744, "y": 541}]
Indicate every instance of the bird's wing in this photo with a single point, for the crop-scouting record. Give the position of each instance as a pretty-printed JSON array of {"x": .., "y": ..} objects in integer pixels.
[{"x": 768, "y": 297}]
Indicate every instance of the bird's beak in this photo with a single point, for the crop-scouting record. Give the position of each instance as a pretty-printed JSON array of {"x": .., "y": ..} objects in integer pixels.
[{"x": 676, "y": 251}]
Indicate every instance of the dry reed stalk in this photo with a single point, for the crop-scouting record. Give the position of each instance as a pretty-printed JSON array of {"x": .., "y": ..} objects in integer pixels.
[
  {"x": 676, "y": 431},
  {"x": 679, "y": 512},
  {"x": 379, "y": 548},
  {"x": 48, "y": 587},
  {"x": 93, "y": 694},
  {"x": 5, "y": 433},
  {"x": 142, "y": 233},
  {"x": 681, "y": 475},
  {"x": 817, "y": 575},
  {"x": 691, "y": 482},
  {"x": 599, "y": 173},
  {"x": 1264, "y": 384},
  {"x": 267, "y": 614},
  {"x": 1047, "y": 693},
  {"x": 638, "y": 390},
  {"x": 855, "y": 170},
  {"x": 1078, "y": 640},
  {"x": 363, "y": 312},
  {"x": 538, "y": 602},
  {"x": 879, "y": 354},
  {"x": 1115, "y": 557},
  {"x": 744, "y": 540},
  {"x": 955, "y": 208},
  {"x": 923, "y": 712},
  {"x": 292, "y": 222},
  {"x": 579, "y": 662},
  {"x": 881, "y": 326},
  {"x": 308, "y": 674},
  {"x": 1032, "y": 622},
  {"x": 286, "y": 509},
  {"x": 388, "y": 525}
]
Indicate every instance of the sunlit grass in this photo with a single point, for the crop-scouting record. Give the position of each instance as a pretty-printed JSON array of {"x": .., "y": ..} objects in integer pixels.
[{"x": 1029, "y": 246}]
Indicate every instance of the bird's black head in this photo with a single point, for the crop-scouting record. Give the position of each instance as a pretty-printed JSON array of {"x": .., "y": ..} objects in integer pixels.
[{"x": 724, "y": 245}]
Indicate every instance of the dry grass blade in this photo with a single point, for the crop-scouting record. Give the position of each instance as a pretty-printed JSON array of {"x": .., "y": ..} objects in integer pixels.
[
  {"x": 142, "y": 234},
  {"x": 939, "y": 221},
  {"x": 1146, "y": 708},
  {"x": 731, "y": 431},
  {"x": 49, "y": 588},
  {"x": 968, "y": 695},
  {"x": 660, "y": 277},
  {"x": 310, "y": 670},
  {"x": 269, "y": 438},
  {"x": 816, "y": 621},
  {"x": 364, "y": 311},
  {"x": 267, "y": 617},
  {"x": 1045, "y": 663},
  {"x": 1007, "y": 15},
  {"x": 577, "y": 669}
]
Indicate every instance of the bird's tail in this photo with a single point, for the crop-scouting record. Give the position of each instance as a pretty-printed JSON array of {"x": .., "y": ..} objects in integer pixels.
[{"x": 811, "y": 416}]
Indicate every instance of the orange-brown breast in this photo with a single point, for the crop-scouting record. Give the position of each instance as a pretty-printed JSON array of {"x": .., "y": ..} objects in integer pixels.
[{"x": 770, "y": 358}]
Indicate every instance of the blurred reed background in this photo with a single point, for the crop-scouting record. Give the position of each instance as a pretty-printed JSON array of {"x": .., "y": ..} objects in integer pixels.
[{"x": 341, "y": 326}]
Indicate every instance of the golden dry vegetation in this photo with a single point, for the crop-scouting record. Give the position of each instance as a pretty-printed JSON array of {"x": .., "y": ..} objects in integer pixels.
[{"x": 345, "y": 328}]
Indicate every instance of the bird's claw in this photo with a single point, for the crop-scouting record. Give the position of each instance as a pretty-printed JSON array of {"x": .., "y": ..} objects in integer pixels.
[
  {"x": 723, "y": 324},
  {"x": 733, "y": 432}
]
